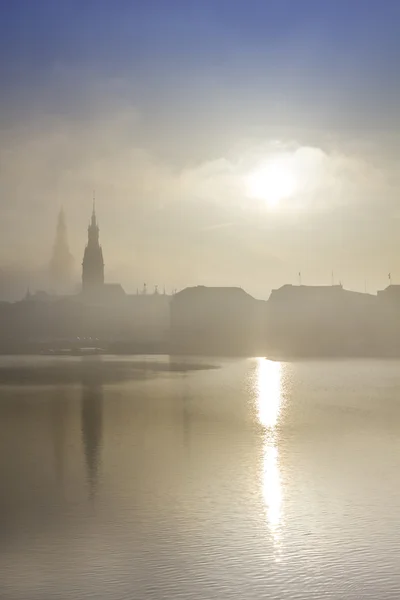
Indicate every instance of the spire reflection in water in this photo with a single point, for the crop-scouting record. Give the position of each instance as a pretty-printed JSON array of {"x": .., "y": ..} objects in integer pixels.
[
  {"x": 59, "y": 415},
  {"x": 92, "y": 425},
  {"x": 269, "y": 402}
]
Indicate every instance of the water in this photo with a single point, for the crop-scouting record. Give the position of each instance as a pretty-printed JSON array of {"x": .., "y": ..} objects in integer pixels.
[{"x": 151, "y": 478}]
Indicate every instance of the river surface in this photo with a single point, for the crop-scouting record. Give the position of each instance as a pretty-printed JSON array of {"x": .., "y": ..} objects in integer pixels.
[{"x": 157, "y": 478}]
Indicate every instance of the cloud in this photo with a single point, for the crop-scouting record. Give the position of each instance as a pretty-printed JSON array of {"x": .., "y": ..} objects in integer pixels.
[{"x": 165, "y": 220}]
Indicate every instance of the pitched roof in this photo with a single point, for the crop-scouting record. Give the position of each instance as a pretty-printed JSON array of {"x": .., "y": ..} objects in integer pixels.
[{"x": 202, "y": 290}]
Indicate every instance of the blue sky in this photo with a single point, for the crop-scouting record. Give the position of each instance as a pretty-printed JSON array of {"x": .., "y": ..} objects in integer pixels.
[
  {"x": 137, "y": 98},
  {"x": 302, "y": 44}
]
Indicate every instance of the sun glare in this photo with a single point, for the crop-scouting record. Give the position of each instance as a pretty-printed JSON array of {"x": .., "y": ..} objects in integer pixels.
[{"x": 273, "y": 182}]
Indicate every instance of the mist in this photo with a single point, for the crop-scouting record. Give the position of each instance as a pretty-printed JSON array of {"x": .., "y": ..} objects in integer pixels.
[
  {"x": 199, "y": 299},
  {"x": 167, "y": 139}
]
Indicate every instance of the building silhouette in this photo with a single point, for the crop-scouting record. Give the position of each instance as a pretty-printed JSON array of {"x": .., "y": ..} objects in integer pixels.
[
  {"x": 320, "y": 321},
  {"x": 93, "y": 264},
  {"x": 216, "y": 321},
  {"x": 61, "y": 263},
  {"x": 296, "y": 320}
]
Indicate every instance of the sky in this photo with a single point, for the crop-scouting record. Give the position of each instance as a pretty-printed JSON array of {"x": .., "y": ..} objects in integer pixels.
[{"x": 229, "y": 142}]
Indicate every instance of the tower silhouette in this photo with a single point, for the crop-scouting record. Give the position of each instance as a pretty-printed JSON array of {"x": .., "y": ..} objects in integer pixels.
[
  {"x": 93, "y": 264},
  {"x": 61, "y": 263}
]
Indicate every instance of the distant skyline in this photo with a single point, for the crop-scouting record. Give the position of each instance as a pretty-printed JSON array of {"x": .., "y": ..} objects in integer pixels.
[{"x": 175, "y": 111}]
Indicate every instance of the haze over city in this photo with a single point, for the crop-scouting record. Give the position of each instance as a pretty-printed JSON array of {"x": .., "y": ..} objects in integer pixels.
[
  {"x": 228, "y": 143},
  {"x": 199, "y": 299}
]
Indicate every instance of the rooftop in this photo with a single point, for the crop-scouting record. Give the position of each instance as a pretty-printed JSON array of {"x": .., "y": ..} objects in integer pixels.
[{"x": 202, "y": 290}]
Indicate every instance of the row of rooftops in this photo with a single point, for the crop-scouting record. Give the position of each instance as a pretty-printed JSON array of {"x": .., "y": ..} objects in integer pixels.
[{"x": 287, "y": 292}]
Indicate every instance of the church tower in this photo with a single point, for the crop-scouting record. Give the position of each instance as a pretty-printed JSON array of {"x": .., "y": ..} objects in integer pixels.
[
  {"x": 93, "y": 265},
  {"x": 61, "y": 263}
]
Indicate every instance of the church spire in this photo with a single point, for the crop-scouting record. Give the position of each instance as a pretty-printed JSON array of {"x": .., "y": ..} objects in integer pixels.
[
  {"x": 93, "y": 265},
  {"x": 61, "y": 263},
  {"x": 94, "y": 201},
  {"x": 94, "y": 220}
]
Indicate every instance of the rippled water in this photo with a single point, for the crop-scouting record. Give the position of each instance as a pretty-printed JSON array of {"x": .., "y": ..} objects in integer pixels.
[{"x": 151, "y": 478}]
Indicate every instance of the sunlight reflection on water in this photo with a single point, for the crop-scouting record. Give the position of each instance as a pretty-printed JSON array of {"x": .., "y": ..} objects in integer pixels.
[
  {"x": 141, "y": 478},
  {"x": 269, "y": 402}
]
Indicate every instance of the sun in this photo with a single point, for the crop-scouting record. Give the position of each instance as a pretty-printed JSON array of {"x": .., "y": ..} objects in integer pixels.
[{"x": 272, "y": 182}]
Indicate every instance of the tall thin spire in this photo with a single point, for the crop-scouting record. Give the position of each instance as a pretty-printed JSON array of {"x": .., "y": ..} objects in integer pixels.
[
  {"x": 93, "y": 265},
  {"x": 94, "y": 219},
  {"x": 61, "y": 263}
]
